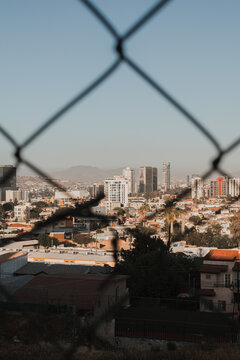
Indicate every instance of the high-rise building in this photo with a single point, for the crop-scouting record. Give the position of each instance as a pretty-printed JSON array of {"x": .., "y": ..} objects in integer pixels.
[
  {"x": 116, "y": 192},
  {"x": 166, "y": 181},
  {"x": 95, "y": 190},
  {"x": 197, "y": 187},
  {"x": 219, "y": 187},
  {"x": 148, "y": 179},
  {"x": 234, "y": 187},
  {"x": 155, "y": 179},
  {"x": 9, "y": 182},
  {"x": 129, "y": 174},
  {"x": 19, "y": 195}
]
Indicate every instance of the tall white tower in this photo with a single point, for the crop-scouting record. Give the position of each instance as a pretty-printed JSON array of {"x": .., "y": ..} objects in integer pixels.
[
  {"x": 166, "y": 181},
  {"x": 197, "y": 187},
  {"x": 129, "y": 174}
]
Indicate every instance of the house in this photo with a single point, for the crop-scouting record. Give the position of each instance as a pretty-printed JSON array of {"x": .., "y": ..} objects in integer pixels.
[
  {"x": 219, "y": 290},
  {"x": 91, "y": 296}
]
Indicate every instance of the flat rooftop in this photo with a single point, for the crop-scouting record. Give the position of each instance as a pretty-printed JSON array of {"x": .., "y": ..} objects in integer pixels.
[{"x": 10, "y": 256}]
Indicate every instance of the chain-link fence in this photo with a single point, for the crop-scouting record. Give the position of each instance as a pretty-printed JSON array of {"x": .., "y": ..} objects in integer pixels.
[{"x": 84, "y": 210}]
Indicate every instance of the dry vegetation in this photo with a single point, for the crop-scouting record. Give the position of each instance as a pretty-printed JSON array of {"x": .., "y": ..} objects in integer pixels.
[{"x": 42, "y": 351}]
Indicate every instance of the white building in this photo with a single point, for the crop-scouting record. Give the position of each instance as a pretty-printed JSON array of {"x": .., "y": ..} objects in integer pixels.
[
  {"x": 116, "y": 192},
  {"x": 21, "y": 212},
  {"x": 19, "y": 195},
  {"x": 129, "y": 174},
  {"x": 234, "y": 186},
  {"x": 67, "y": 197},
  {"x": 166, "y": 181},
  {"x": 197, "y": 188}
]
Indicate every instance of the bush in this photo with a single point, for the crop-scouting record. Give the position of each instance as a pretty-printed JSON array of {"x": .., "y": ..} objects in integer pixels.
[{"x": 171, "y": 346}]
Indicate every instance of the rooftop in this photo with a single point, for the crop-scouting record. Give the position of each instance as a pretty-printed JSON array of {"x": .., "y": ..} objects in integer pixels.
[
  {"x": 224, "y": 255},
  {"x": 66, "y": 289},
  {"x": 10, "y": 256}
]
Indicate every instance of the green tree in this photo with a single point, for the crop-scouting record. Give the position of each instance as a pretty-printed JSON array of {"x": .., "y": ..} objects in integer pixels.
[
  {"x": 170, "y": 214},
  {"x": 40, "y": 204},
  {"x": 34, "y": 213},
  {"x": 212, "y": 237},
  {"x": 82, "y": 239},
  {"x": 152, "y": 270},
  {"x": 235, "y": 227},
  {"x": 47, "y": 241},
  {"x": 195, "y": 219},
  {"x": 8, "y": 206},
  {"x": 120, "y": 211}
]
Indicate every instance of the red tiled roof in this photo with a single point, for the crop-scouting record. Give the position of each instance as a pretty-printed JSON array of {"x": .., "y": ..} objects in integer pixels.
[
  {"x": 213, "y": 269},
  {"x": 17, "y": 225},
  {"x": 207, "y": 292},
  {"x": 224, "y": 255}
]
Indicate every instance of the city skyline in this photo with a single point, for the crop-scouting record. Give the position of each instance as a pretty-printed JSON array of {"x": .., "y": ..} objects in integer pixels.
[{"x": 52, "y": 64}]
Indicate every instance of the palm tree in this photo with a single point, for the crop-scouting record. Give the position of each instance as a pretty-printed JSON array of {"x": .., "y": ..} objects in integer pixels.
[{"x": 170, "y": 214}]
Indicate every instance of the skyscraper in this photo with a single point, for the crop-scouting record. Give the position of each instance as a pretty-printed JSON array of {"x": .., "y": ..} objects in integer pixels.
[
  {"x": 129, "y": 174},
  {"x": 10, "y": 183},
  {"x": 95, "y": 190},
  {"x": 4, "y": 171},
  {"x": 197, "y": 187},
  {"x": 148, "y": 179},
  {"x": 166, "y": 176}
]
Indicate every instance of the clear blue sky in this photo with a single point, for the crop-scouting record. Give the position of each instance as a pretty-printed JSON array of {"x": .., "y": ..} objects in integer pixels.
[{"x": 51, "y": 49}]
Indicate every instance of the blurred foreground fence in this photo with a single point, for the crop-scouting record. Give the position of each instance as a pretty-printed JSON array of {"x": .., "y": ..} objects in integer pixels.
[{"x": 121, "y": 57}]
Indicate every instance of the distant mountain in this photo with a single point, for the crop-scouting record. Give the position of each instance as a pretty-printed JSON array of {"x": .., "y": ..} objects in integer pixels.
[{"x": 86, "y": 174}]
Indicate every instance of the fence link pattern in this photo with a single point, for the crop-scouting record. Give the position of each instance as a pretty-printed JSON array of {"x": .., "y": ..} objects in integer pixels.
[{"x": 84, "y": 209}]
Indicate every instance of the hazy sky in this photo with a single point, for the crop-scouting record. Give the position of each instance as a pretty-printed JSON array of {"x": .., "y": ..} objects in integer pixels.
[{"x": 52, "y": 49}]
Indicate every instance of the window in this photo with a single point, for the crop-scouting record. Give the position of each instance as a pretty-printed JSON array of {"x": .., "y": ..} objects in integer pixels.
[
  {"x": 208, "y": 276},
  {"x": 221, "y": 305},
  {"x": 227, "y": 280}
]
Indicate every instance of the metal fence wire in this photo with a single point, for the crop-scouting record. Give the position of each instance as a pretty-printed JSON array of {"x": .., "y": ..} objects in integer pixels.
[{"x": 84, "y": 209}]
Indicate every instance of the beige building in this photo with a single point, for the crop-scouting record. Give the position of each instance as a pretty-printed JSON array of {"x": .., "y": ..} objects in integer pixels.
[{"x": 220, "y": 281}]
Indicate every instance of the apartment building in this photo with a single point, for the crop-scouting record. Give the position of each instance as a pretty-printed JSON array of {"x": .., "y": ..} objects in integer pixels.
[
  {"x": 166, "y": 181},
  {"x": 129, "y": 174},
  {"x": 148, "y": 179},
  {"x": 116, "y": 192},
  {"x": 219, "y": 187},
  {"x": 197, "y": 187},
  {"x": 220, "y": 281}
]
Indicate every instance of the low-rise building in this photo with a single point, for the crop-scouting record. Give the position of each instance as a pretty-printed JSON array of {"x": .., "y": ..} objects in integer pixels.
[
  {"x": 86, "y": 293},
  {"x": 220, "y": 281}
]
